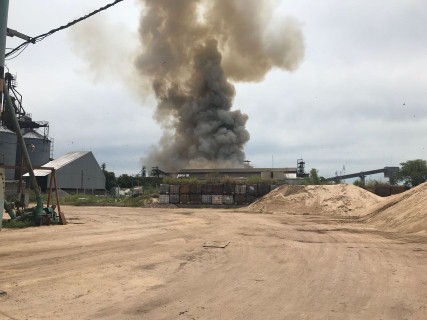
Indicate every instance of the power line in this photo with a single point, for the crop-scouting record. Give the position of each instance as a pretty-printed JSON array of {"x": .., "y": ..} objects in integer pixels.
[
  {"x": 39, "y": 38},
  {"x": 21, "y": 49}
]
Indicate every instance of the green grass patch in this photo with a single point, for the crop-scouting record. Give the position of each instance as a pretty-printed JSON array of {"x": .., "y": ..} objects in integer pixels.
[
  {"x": 91, "y": 200},
  {"x": 84, "y": 200},
  {"x": 16, "y": 224}
]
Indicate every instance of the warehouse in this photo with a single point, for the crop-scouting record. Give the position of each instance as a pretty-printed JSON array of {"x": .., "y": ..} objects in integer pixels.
[
  {"x": 76, "y": 172},
  {"x": 278, "y": 174}
]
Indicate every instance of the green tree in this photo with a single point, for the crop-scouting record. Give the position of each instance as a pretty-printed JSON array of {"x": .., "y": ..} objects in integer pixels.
[
  {"x": 359, "y": 183},
  {"x": 314, "y": 176},
  {"x": 110, "y": 178},
  {"x": 125, "y": 181},
  {"x": 412, "y": 172}
]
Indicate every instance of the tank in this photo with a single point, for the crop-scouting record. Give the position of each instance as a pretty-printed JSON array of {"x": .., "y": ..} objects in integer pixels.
[
  {"x": 240, "y": 198},
  {"x": 217, "y": 199},
  {"x": 174, "y": 189},
  {"x": 174, "y": 198},
  {"x": 184, "y": 189},
  {"x": 206, "y": 198},
  {"x": 196, "y": 189},
  {"x": 195, "y": 198},
  {"x": 240, "y": 189},
  {"x": 164, "y": 189},
  {"x": 227, "y": 199},
  {"x": 8, "y": 143},
  {"x": 38, "y": 148},
  {"x": 184, "y": 198},
  {"x": 229, "y": 189},
  {"x": 164, "y": 198}
]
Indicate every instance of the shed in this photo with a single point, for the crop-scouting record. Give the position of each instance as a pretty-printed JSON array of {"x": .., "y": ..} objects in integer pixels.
[{"x": 76, "y": 172}]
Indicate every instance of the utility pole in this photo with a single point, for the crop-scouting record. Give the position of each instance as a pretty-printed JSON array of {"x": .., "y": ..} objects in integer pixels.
[{"x": 4, "y": 9}]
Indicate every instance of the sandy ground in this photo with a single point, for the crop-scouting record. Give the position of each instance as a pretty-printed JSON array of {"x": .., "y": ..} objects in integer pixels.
[
  {"x": 341, "y": 200},
  {"x": 122, "y": 263}
]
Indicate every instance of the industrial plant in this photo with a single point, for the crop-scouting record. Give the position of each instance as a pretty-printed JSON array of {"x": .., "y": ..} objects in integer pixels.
[
  {"x": 26, "y": 162},
  {"x": 35, "y": 134}
]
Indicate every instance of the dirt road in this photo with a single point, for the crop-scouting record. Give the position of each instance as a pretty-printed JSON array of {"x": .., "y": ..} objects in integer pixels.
[{"x": 121, "y": 263}]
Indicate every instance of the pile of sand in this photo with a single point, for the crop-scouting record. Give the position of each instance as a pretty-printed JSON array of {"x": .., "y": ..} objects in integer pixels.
[
  {"x": 405, "y": 212},
  {"x": 343, "y": 200}
]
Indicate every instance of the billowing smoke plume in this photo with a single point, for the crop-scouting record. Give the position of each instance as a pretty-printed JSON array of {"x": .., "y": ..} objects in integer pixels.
[{"x": 190, "y": 49}]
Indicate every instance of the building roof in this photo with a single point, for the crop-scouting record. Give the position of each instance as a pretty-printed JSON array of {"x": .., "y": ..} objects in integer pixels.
[
  {"x": 4, "y": 129},
  {"x": 33, "y": 135},
  {"x": 237, "y": 170},
  {"x": 60, "y": 162}
]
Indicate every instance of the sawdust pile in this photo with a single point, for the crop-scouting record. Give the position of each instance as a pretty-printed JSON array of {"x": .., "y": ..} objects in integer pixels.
[
  {"x": 405, "y": 212},
  {"x": 342, "y": 200}
]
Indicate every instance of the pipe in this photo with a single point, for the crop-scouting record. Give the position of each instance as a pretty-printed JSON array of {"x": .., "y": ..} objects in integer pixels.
[
  {"x": 8, "y": 103},
  {"x": 9, "y": 209}
]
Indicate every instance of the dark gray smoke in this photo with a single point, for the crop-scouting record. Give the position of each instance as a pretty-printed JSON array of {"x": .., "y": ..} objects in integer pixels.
[{"x": 190, "y": 49}]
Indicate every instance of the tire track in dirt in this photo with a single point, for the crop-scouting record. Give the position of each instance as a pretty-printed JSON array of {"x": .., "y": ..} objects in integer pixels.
[{"x": 275, "y": 267}]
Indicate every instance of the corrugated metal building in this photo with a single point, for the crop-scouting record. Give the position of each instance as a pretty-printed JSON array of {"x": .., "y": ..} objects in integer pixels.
[{"x": 76, "y": 172}]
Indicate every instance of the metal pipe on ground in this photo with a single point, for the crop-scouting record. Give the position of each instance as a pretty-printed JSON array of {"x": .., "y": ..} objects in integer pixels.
[{"x": 9, "y": 209}]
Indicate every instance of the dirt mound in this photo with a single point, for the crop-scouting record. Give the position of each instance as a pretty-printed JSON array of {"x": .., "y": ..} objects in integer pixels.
[
  {"x": 405, "y": 212},
  {"x": 343, "y": 200}
]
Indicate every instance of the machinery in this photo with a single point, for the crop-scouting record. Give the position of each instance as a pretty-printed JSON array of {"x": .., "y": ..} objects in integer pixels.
[
  {"x": 38, "y": 215},
  {"x": 301, "y": 169}
]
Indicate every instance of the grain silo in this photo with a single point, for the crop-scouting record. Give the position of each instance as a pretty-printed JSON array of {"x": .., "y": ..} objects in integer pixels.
[
  {"x": 38, "y": 147},
  {"x": 8, "y": 143}
]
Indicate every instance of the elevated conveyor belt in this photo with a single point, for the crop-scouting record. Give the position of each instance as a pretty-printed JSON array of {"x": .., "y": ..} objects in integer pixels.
[{"x": 389, "y": 172}]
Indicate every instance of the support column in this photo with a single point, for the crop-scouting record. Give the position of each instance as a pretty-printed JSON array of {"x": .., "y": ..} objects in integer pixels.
[{"x": 4, "y": 9}]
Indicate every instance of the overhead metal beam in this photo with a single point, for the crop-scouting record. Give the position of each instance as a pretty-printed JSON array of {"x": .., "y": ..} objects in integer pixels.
[{"x": 361, "y": 174}]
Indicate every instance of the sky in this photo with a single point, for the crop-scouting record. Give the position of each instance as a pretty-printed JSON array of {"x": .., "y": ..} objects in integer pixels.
[{"x": 357, "y": 102}]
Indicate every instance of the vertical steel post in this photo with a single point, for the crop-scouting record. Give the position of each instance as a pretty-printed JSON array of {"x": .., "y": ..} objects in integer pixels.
[
  {"x": 2, "y": 192},
  {"x": 50, "y": 188},
  {"x": 4, "y": 9}
]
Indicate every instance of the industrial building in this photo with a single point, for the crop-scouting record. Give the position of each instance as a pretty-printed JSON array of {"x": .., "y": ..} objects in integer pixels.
[
  {"x": 38, "y": 144},
  {"x": 278, "y": 174},
  {"x": 76, "y": 172}
]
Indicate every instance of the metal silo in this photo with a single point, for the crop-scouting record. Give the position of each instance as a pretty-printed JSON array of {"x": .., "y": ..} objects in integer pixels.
[
  {"x": 8, "y": 143},
  {"x": 38, "y": 147}
]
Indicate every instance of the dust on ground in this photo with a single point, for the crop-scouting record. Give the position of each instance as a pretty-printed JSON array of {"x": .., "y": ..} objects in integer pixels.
[{"x": 151, "y": 263}]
